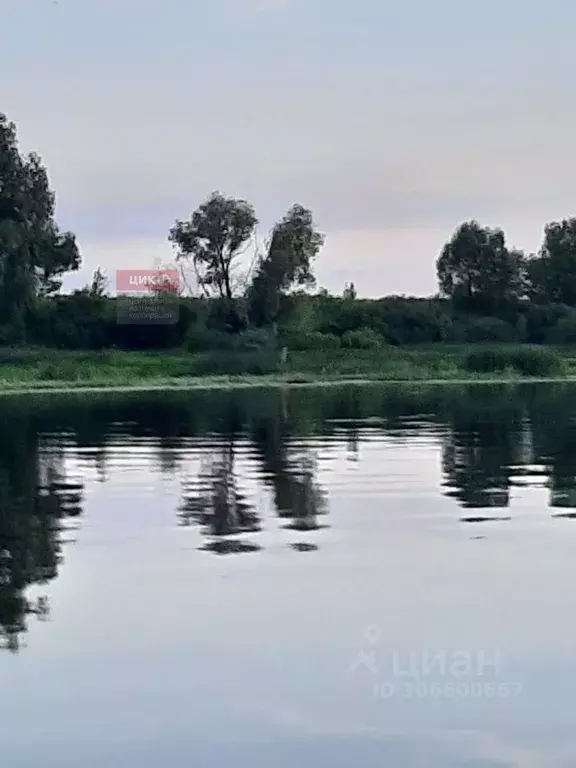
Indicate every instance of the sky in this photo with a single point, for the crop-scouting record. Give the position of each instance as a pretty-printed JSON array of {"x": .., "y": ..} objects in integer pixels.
[{"x": 393, "y": 121}]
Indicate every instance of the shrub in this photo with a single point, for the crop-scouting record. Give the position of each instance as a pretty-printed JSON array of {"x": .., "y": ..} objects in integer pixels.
[
  {"x": 200, "y": 339},
  {"x": 490, "y": 329},
  {"x": 412, "y": 321},
  {"x": 233, "y": 363},
  {"x": 564, "y": 332},
  {"x": 254, "y": 338},
  {"x": 313, "y": 340},
  {"x": 528, "y": 361},
  {"x": 541, "y": 320},
  {"x": 363, "y": 338},
  {"x": 534, "y": 361}
]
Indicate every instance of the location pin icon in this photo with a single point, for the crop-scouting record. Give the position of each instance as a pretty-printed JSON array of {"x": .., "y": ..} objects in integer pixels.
[{"x": 372, "y": 635}]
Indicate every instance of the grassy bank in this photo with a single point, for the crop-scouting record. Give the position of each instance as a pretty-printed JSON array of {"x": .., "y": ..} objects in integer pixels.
[{"x": 31, "y": 369}]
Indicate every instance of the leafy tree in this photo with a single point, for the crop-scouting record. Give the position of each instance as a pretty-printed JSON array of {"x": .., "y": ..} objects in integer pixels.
[
  {"x": 552, "y": 275},
  {"x": 212, "y": 239},
  {"x": 34, "y": 253},
  {"x": 294, "y": 245},
  {"x": 476, "y": 268},
  {"x": 536, "y": 275},
  {"x": 99, "y": 283},
  {"x": 57, "y": 254},
  {"x": 349, "y": 291}
]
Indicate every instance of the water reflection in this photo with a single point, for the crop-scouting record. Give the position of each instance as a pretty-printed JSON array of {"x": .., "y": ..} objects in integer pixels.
[
  {"x": 214, "y": 501},
  {"x": 36, "y": 499},
  {"x": 289, "y": 471},
  {"x": 238, "y": 454}
]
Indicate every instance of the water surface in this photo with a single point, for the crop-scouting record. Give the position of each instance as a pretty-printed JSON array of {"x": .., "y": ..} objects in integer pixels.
[{"x": 372, "y": 575}]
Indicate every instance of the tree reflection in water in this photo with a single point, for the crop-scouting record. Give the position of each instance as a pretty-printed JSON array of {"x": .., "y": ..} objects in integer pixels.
[
  {"x": 290, "y": 474},
  {"x": 215, "y": 503},
  {"x": 35, "y": 500},
  {"x": 492, "y": 440}
]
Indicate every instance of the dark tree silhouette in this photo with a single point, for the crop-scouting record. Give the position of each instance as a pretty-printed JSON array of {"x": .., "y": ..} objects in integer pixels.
[{"x": 35, "y": 500}]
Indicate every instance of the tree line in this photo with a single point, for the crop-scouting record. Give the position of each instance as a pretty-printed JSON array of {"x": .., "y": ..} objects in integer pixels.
[
  {"x": 235, "y": 287},
  {"x": 477, "y": 270}
]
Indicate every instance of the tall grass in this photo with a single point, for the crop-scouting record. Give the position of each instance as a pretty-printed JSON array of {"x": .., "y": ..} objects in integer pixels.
[
  {"x": 34, "y": 367},
  {"x": 526, "y": 361}
]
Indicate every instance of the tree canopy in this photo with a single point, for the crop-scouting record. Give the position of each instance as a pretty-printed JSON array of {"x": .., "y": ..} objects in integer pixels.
[
  {"x": 476, "y": 267},
  {"x": 293, "y": 248},
  {"x": 552, "y": 274},
  {"x": 34, "y": 252},
  {"x": 213, "y": 238}
]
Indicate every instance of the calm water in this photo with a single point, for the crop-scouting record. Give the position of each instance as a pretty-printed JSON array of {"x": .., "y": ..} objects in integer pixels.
[{"x": 332, "y": 577}]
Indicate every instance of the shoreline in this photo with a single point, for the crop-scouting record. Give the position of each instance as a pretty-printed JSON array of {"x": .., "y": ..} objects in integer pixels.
[
  {"x": 35, "y": 371},
  {"x": 263, "y": 382}
]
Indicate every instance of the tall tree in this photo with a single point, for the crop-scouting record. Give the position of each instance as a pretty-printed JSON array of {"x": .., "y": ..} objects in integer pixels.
[
  {"x": 34, "y": 253},
  {"x": 349, "y": 291},
  {"x": 476, "y": 268},
  {"x": 213, "y": 239},
  {"x": 99, "y": 283},
  {"x": 552, "y": 275},
  {"x": 57, "y": 254},
  {"x": 294, "y": 245}
]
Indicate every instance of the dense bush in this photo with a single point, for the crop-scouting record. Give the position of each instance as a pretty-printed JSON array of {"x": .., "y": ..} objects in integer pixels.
[
  {"x": 233, "y": 363},
  {"x": 413, "y": 321},
  {"x": 363, "y": 338},
  {"x": 312, "y": 340},
  {"x": 483, "y": 329},
  {"x": 200, "y": 339},
  {"x": 564, "y": 332},
  {"x": 528, "y": 361},
  {"x": 81, "y": 321},
  {"x": 541, "y": 320}
]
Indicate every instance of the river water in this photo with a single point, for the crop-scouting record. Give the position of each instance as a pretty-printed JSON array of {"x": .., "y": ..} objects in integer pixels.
[{"x": 371, "y": 576}]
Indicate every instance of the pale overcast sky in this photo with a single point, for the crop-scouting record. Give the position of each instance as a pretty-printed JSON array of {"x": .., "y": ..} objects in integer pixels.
[{"x": 393, "y": 121}]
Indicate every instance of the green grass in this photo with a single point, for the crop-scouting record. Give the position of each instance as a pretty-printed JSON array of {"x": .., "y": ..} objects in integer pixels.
[{"x": 27, "y": 368}]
